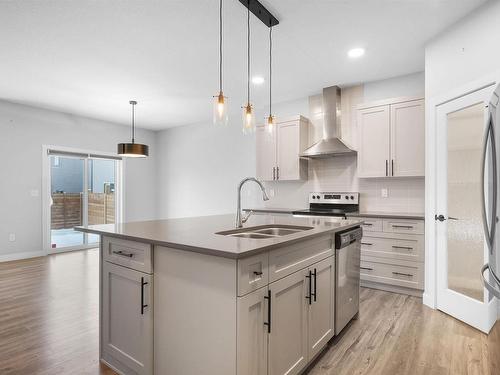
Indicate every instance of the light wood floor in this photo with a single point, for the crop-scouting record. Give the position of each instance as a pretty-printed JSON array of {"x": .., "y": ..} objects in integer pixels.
[{"x": 49, "y": 325}]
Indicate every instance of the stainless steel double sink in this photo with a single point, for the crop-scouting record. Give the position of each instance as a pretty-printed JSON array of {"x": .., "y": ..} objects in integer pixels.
[{"x": 265, "y": 231}]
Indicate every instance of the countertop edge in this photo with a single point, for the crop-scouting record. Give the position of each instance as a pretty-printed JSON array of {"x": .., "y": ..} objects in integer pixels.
[
  {"x": 217, "y": 252},
  {"x": 383, "y": 215}
]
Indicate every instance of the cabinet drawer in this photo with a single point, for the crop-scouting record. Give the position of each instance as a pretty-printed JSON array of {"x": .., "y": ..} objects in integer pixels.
[
  {"x": 394, "y": 246},
  {"x": 131, "y": 254},
  {"x": 404, "y": 226},
  {"x": 253, "y": 273},
  {"x": 408, "y": 275},
  {"x": 283, "y": 262},
  {"x": 372, "y": 225}
]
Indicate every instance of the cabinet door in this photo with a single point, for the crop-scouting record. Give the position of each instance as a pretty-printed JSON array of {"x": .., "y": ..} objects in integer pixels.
[
  {"x": 373, "y": 142},
  {"x": 288, "y": 337},
  {"x": 408, "y": 138},
  {"x": 321, "y": 309},
  {"x": 252, "y": 333},
  {"x": 288, "y": 150},
  {"x": 127, "y": 329},
  {"x": 265, "y": 153}
]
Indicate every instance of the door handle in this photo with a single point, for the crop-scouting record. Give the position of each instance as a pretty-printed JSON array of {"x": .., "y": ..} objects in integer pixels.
[
  {"x": 442, "y": 218},
  {"x": 315, "y": 284},
  {"x": 386, "y": 168},
  {"x": 278, "y": 173},
  {"x": 489, "y": 233},
  {"x": 143, "y": 306},
  {"x": 274, "y": 173},
  {"x": 491, "y": 288},
  {"x": 309, "y": 296},
  {"x": 392, "y": 167},
  {"x": 268, "y": 323}
]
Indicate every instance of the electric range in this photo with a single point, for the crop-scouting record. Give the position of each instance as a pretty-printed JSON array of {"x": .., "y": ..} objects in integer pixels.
[{"x": 335, "y": 204}]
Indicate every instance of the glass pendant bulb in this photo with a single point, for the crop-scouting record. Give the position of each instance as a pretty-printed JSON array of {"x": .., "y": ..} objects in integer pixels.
[
  {"x": 271, "y": 123},
  {"x": 220, "y": 116},
  {"x": 248, "y": 119}
]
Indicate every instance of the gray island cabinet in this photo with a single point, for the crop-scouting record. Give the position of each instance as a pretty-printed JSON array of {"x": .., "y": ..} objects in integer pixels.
[{"x": 179, "y": 299}]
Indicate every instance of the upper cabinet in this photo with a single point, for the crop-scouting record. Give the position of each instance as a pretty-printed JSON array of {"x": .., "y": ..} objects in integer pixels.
[
  {"x": 391, "y": 141},
  {"x": 278, "y": 150}
]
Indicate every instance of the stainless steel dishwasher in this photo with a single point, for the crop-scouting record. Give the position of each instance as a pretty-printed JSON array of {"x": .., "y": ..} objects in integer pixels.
[{"x": 347, "y": 262}]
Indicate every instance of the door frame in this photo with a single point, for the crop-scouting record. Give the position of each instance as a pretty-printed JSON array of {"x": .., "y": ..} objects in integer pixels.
[
  {"x": 432, "y": 104},
  {"x": 46, "y": 188}
]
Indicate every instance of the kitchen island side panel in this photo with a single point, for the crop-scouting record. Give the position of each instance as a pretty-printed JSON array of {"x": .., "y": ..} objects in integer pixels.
[{"x": 195, "y": 313}]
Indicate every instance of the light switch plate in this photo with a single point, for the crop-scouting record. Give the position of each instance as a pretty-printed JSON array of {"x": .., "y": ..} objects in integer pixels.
[
  {"x": 384, "y": 193},
  {"x": 34, "y": 193},
  {"x": 12, "y": 237}
]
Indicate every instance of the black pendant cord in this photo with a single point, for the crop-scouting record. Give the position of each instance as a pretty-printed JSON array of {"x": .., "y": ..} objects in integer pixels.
[
  {"x": 248, "y": 53},
  {"x": 270, "y": 70},
  {"x": 220, "y": 46}
]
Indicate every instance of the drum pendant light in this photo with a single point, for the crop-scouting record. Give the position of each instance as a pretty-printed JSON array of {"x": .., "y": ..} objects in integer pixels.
[
  {"x": 220, "y": 101},
  {"x": 271, "y": 121},
  {"x": 248, "y": 112},
  {"x": 133, "y": 150}
]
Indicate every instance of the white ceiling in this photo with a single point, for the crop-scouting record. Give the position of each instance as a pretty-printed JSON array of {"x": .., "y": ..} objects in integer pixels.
[{"x": 90, "y": 57}]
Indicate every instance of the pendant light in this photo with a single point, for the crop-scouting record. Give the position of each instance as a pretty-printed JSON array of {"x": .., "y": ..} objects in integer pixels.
[
  {"x": 271, "y": 121},
  {"x": 133, "y": 150},
  {"x": 248, "y": 112},
  {"x": 220, "y": 101}
]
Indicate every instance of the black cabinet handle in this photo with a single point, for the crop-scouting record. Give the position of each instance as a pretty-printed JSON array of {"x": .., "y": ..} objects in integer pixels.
[
  {"x": 402, "y": 247},
  {"x": 402, "y": 274},
  {"x": 403, "y": 226},
  {"x": 123, "y": 254},
  {"x": 366, "y": 268},
  {"x": 143, "y": 283},
  {"x": 315, "y": 274},
  {"x": 257, "y": 273},
  {"x": 277, "y": 173},
  {"x": 309, "y": 276},
  {"x": 366, "y": 243},
  {"x": 367, "y": 224},
  {"x": 268, "y": 323},
  {"x": 392, "y": 166},
  {"x": 386, "y": 168}
]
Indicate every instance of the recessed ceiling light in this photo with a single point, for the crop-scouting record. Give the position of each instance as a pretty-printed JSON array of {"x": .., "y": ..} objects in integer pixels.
[
  {"x": 356, "y": 52},
  {"x": 258, "y": 80}
]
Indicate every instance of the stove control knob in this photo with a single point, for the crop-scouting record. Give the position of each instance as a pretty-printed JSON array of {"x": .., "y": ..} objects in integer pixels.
[
  {"x": 314, "y": 197},
  {"x": 352, "y": 197},
  {"x": 317, "y": 196},
  {"x": 346, "y": 197}
]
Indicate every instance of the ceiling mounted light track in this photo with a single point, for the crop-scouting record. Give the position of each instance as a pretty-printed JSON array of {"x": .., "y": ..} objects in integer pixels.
[
  {"x": 261, "y": 12},
  {"x": 133, "y": 150}
]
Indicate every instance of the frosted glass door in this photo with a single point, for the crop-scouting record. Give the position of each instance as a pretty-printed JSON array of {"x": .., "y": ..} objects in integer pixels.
[{"x": 461, "y": 250}]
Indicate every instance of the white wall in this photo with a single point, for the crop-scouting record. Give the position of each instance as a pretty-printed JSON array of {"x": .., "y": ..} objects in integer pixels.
[
  {"x": 23, "y": 131},
  {"x": 466, "y": 52},
  {"x": 199, "y": 166}
]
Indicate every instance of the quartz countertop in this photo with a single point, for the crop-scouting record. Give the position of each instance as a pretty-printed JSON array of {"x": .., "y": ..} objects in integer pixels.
[
  {"x": 388, "y": 215},
  {"x": 199, "y": 234}
]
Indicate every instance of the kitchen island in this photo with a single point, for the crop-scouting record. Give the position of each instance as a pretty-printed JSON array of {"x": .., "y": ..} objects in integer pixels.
[{"x": 194, "y": 296}]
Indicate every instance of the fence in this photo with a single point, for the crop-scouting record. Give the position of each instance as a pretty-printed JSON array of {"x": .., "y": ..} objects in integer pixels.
[{"x": 67, "y": 209}]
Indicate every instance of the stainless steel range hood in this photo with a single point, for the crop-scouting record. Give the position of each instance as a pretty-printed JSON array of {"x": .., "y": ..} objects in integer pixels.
[{"x": 330, "y": 145}]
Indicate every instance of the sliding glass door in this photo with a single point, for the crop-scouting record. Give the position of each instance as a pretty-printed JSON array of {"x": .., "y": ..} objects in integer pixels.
[{"x": 82, "y": 189}]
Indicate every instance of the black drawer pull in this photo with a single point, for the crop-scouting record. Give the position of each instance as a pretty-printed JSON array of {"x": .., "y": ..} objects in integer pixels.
[
  {"x": 315, "y": 274},
  {"x": 309, "y": 296},
  {"x": 367, "y": 224},
  {"x": 402, "y": 274},
  {"x": 366, "y": 243},
  {"x": 257, "y": 273},
  {"x": 403, "y": 226},
  {"x": 143, "y": 283},
  {"x": 402, "y": 247},
  {"x": 366, "y": 268},
  {"x": 123, "y": 254}
]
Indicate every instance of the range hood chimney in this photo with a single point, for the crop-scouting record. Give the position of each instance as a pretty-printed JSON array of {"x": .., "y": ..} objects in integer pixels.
[{"x": 330, "y": 145}]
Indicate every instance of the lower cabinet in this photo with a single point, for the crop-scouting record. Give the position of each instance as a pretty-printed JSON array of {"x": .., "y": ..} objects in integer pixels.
[
  {"x": 285, "y": 325},
  {"x": 127, "y": 319}
]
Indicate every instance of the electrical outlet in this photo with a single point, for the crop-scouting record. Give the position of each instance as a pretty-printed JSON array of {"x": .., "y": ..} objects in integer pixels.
[
  {"x": 384, "y": 193},
  {"x": 12, "y": 237}
]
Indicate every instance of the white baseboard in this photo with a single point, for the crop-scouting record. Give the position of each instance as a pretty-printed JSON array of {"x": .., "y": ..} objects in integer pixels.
[
  {"x": 428, "y": 301},
  {"x": 22, "y": 255}
]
